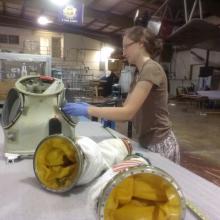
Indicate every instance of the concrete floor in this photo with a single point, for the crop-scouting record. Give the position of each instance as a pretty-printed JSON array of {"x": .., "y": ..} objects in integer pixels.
[{"x": 199, "y": 139}]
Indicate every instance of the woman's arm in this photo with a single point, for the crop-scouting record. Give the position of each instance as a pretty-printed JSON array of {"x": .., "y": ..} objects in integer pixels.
[{"x": 132, "y": 104}]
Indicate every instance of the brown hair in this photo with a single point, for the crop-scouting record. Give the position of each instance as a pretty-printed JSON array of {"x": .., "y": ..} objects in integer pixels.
[{"x": 152, "y": 44}]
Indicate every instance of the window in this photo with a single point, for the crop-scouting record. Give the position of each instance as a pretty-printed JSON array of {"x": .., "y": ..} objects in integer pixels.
[
  {"x": 3, "y": 39},
  {"x": 13, "y": 39},
  {"x": 9, "y": 39}
]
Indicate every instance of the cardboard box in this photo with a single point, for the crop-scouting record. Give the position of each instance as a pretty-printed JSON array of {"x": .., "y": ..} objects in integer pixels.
[
  {"x": 5, "y": 86},
  {"x": 115, "y": 65}
]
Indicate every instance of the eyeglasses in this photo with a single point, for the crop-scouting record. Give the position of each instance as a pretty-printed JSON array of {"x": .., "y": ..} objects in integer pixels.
[{"x": 128, "y": 45}]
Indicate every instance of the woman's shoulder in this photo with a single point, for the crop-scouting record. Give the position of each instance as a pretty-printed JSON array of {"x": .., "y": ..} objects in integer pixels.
[
  {"x": 154, "y": 65},
  {"x": 153, "y": 68},
  {"x": 153, "y": 72}
]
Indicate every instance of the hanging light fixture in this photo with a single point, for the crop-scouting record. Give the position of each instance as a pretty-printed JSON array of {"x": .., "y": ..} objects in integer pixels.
[
  {"x": 60, "y": 2},
  {"x": 43, "y": 20}
]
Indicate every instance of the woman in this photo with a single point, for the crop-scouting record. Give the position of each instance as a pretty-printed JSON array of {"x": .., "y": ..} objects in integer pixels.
[{"x": 146, "y": 103}]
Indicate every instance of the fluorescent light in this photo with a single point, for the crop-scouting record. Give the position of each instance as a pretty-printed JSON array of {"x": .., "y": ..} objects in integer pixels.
[
  {"x": 59, "y": 2},
  {"x": 172, "y": 104},
  {"x": 43, "y": 20},
  {"x": 106, "y": 53},
  {"x": 136, "y": 15},
  {"x": 154, "y": 25}
]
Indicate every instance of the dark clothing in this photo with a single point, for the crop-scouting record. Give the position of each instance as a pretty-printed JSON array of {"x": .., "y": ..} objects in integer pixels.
[
  {"x": 110, "y": 81},
  {"x": 151, "y": 122}
]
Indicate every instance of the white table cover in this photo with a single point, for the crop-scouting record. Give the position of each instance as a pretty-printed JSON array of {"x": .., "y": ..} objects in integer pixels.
[
  {"x": 22, "y": 198},
  {"x": 211, "y": 94}
]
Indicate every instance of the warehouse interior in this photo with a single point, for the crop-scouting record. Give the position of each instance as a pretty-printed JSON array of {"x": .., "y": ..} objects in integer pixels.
[
  {"x": 36, "y": 38},
  {"x": 78, "y": 47}
]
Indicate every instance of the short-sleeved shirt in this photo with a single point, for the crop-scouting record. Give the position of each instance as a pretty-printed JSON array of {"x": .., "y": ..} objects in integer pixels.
[{"x": 151, "y": 122}]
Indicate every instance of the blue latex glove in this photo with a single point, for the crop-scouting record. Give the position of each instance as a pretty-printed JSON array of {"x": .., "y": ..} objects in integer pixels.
[{"x": 76, "y": 109}]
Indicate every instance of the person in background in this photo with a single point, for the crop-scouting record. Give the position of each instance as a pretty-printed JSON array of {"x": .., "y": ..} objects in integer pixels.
[
  {"x": 147, "y": 102},
  {"x": 112, "y": 79}
]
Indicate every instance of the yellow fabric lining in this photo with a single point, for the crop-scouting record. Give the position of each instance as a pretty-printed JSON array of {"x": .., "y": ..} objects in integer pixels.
[
  {"x": 56, "y": 163},
  {"x": 143, "y": 197}
]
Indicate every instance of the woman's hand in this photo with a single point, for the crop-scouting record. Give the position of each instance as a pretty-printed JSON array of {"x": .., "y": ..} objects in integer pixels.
[{"x": 76, "y": 109}]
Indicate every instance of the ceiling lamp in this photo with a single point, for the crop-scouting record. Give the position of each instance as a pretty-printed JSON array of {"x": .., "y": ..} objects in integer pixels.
[
  {"x": 59, "y": 2},
  {"x": 106, "y": 53},
  {"x": 42, "y": 20}
]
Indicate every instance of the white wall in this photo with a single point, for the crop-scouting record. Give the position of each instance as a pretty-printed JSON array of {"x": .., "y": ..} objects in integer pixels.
[
  {"x": 77, "y": 51},
  {"x": 80, "y": 51},
  {"x": 26, "y": 36},
  {"x": 181, "y": 75}
]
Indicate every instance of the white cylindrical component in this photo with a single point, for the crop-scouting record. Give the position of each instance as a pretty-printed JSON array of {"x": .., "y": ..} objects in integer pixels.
[
  {"x": 27, "y": 114},
  {"x": 101, "y": 183},
  {"x": 60, "y": 163},
  {"x": 94, "y": 162},
  {"x": 100, "y": 157},
  {"x": 133, "y": 189}
]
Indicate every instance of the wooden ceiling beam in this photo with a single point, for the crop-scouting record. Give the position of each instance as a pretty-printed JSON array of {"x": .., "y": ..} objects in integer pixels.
[
  {"x": 90, "y": 23},
  {"x": 115, "y": 5},
  {"x": 148, "y": 5},
  {"x": 67, "y": 28},
  {"x": 103, "y": 27},
  {"x": 92, "y": 2},
  {"x": 23, "y": 8},
  {"x": 4, "y": 7},
  {"x": 106, "y": 17}
]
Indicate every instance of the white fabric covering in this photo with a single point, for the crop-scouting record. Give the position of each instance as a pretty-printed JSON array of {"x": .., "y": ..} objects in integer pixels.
[
  {"x": 22, "y": 198},
  {"x": 99, "y": 157}
]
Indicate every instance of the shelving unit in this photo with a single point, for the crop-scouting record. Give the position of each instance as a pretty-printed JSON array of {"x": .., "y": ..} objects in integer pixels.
[
  {"x": 78, "y": 85},
  {"x": 11, "y": 65}
]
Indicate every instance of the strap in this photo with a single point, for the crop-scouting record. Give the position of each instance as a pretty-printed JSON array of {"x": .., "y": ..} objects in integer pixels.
[{"x": 195, "y": 210}]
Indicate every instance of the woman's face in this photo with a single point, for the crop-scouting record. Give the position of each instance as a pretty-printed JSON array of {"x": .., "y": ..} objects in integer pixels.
[{"x": 130, "y": 49}]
